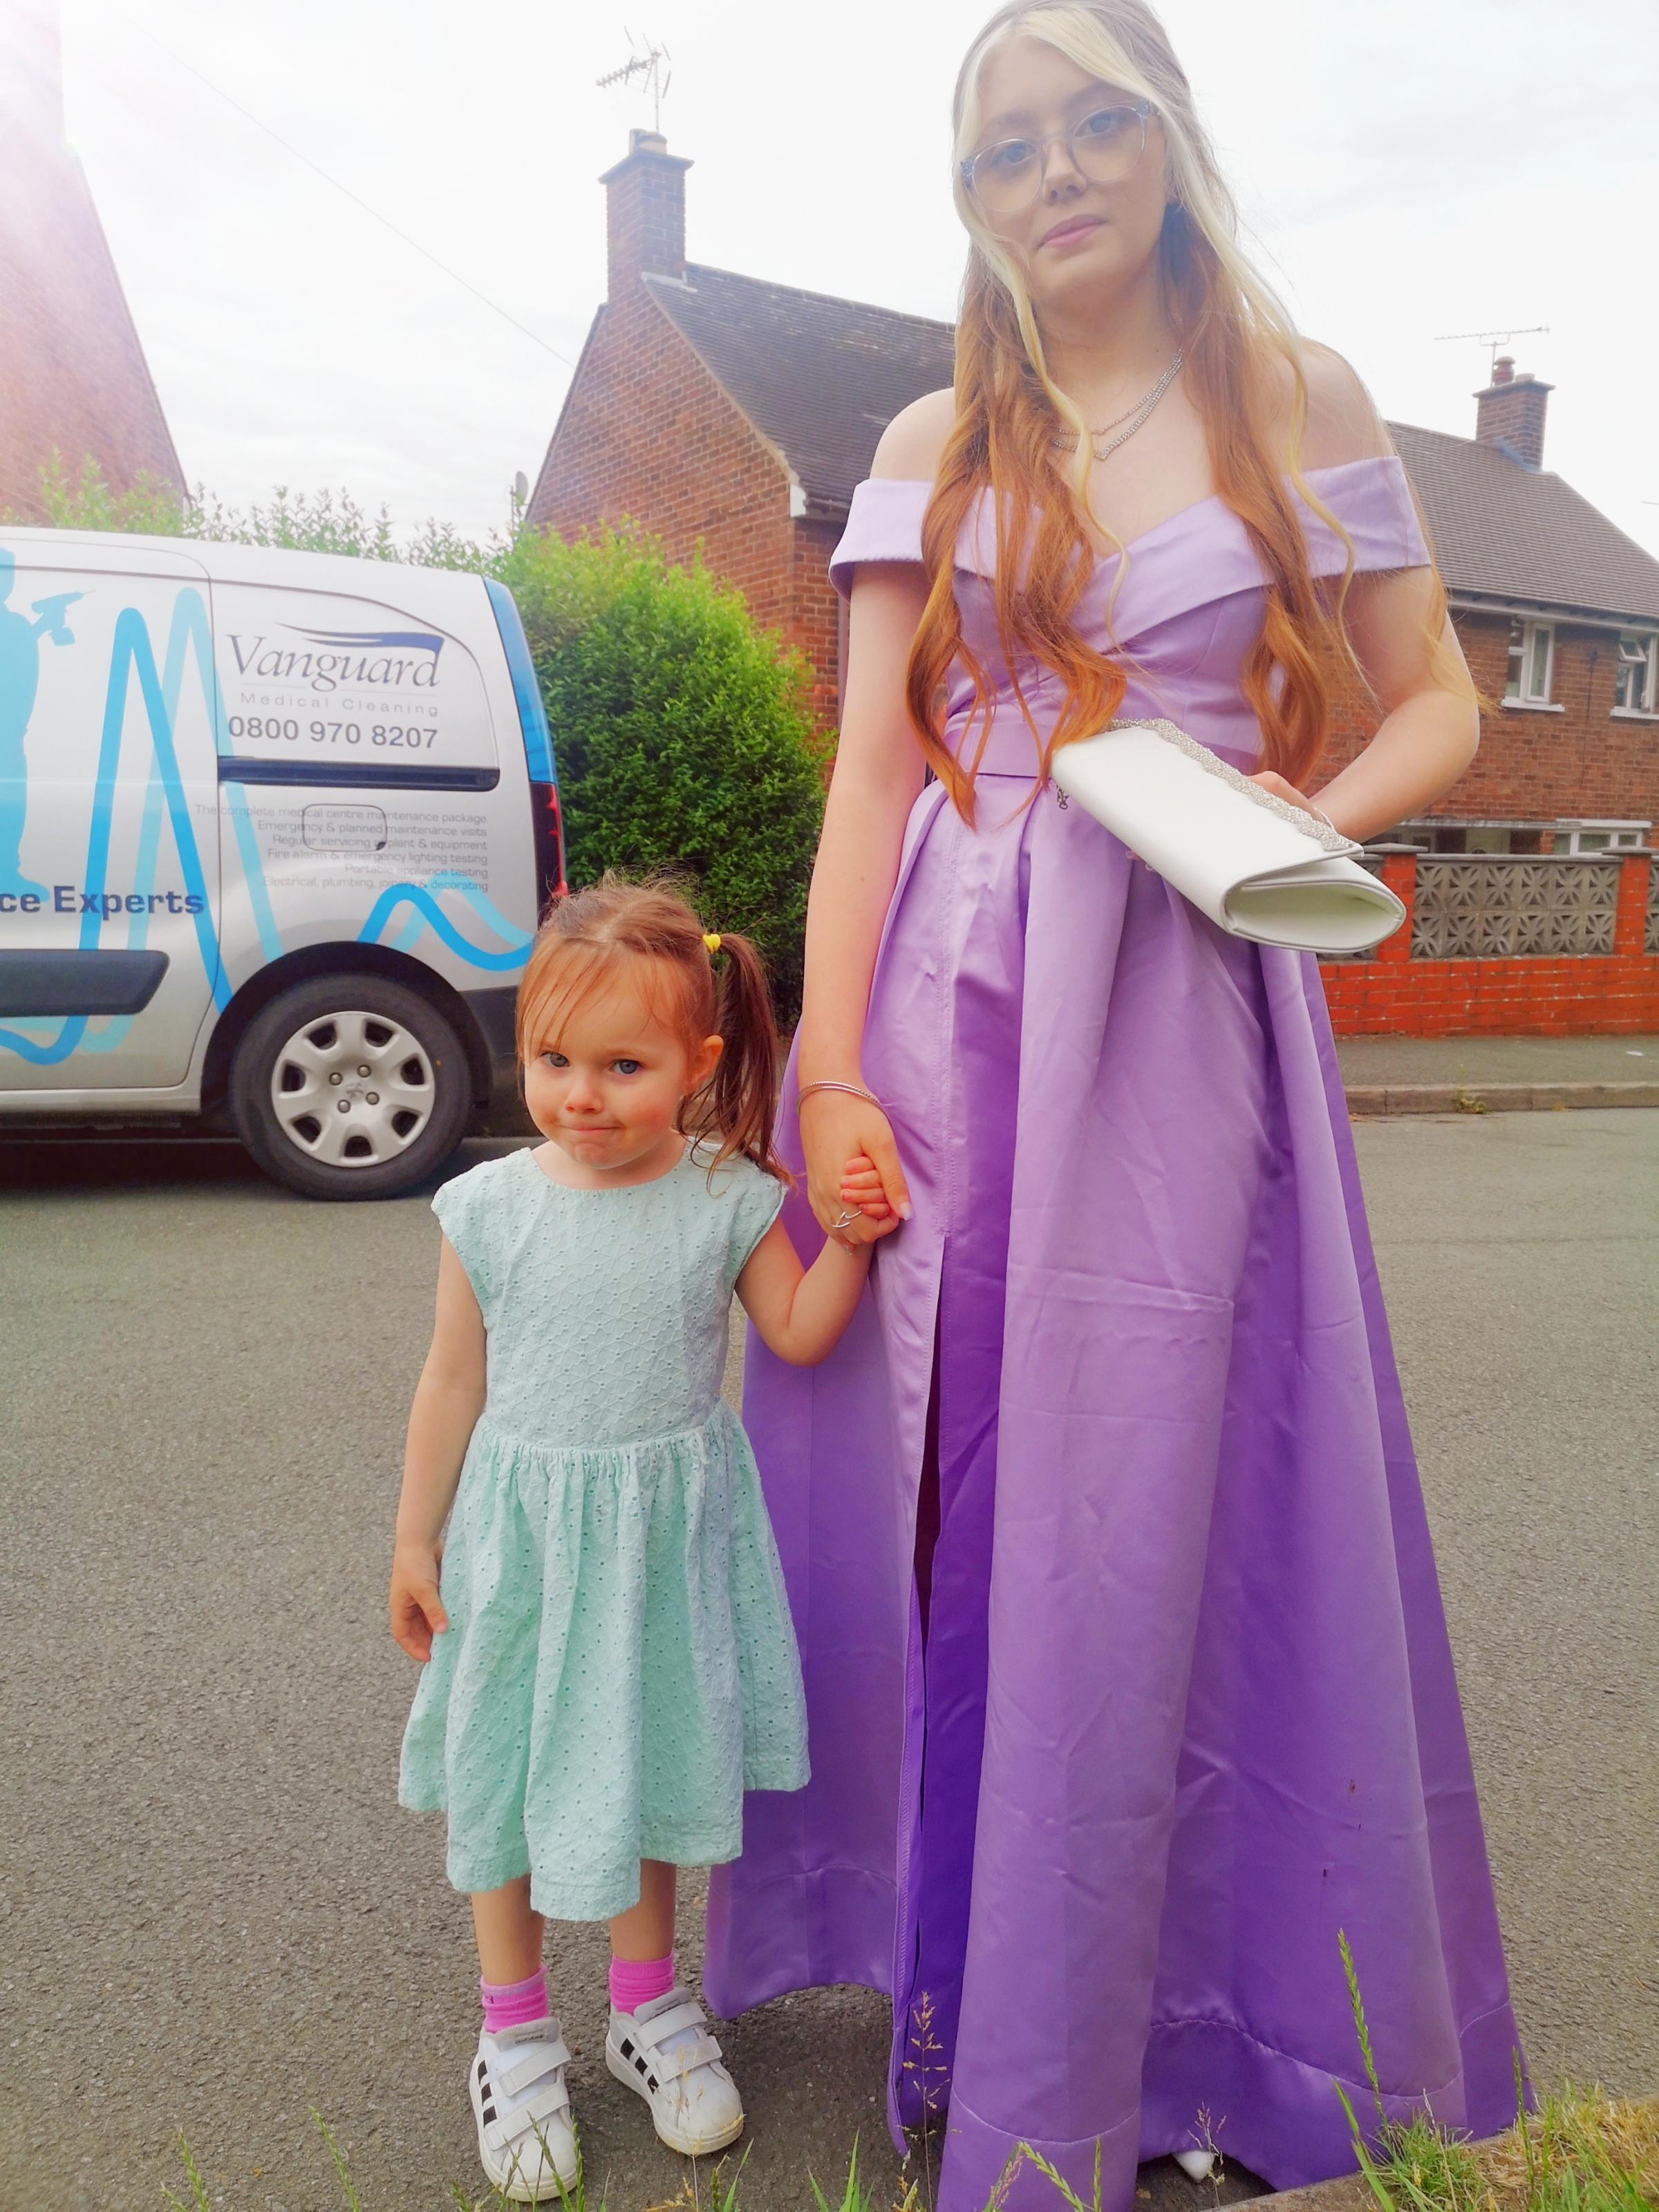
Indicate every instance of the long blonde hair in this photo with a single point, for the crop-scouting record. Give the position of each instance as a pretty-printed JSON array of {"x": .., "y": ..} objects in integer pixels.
[{"x": 1233, "y": 332}]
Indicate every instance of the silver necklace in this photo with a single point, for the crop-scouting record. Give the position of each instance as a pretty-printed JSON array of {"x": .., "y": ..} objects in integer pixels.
[{"x": 1134, "y": 417}]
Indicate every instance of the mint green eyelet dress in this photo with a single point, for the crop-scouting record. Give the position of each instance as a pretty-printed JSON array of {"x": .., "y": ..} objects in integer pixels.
[{"x": 620, "y": 1665}]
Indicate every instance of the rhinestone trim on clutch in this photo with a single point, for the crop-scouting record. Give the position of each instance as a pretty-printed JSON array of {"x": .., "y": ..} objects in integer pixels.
[{"x": 1310, "y": 824}]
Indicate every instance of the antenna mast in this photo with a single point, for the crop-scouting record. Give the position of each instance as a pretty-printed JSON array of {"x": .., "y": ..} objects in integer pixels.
[
  {"x": 649, "y": 64},
  {"x": 1494, "y": 339}
]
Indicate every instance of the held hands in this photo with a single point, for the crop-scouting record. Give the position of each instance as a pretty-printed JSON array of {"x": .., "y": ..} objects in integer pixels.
[
  {"x": 852, "y": 1166},
  {"x": 861, "y": 1186},
  {"x": 418, "y": 1613}
]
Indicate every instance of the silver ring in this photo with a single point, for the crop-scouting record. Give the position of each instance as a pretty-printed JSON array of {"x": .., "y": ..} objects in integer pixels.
[{"x": 844, "y": 1220}]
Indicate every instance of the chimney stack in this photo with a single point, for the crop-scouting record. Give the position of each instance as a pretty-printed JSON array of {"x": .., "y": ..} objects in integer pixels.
[
  {"x": 1509, "y": 412},
  {"x": 645, "y": 213}
]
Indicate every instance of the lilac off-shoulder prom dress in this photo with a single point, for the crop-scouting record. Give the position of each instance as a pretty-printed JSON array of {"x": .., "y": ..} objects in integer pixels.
[{"x": 1184, "y": 1706}]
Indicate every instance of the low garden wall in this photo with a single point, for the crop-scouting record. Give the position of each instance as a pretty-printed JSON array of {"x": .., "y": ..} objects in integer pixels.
[{"x": 1507, "y": 944}]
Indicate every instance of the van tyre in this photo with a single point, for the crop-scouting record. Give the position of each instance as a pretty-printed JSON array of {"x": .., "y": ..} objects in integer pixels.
[{"x": 350, "y": 1086}]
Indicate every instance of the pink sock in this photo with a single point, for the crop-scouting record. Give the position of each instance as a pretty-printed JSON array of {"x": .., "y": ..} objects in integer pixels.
[
  {"x": 509, "y": 2004},
  {"x": 634, "y": 1982}
]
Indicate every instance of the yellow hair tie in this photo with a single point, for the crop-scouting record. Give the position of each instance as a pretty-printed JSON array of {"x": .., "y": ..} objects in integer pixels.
[{"x": 711, "y": 937}]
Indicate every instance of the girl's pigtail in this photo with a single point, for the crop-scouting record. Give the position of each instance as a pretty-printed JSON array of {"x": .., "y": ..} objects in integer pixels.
[{"x": 738, "y": 1105}]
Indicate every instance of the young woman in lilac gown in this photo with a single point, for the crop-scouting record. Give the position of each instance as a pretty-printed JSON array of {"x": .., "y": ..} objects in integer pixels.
[{"x": 1128, "y": 1676}]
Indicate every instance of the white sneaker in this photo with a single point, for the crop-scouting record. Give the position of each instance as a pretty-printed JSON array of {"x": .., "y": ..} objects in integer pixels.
[
  {"x": 664, "y": 2051},
  {"x": 527, "y": 2138}
]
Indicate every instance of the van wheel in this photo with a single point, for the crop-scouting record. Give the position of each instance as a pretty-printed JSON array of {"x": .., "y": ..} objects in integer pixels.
[{"x": 350, "y": 1086}]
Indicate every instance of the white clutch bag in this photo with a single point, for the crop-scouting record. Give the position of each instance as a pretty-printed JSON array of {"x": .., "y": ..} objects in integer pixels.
[{"x": 1257, "y": 866}]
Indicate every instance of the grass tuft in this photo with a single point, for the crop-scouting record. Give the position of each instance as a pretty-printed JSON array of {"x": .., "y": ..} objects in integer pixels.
[{"x": 1581, "y": 2151}]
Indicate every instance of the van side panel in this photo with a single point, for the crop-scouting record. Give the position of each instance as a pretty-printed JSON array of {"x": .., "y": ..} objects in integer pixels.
[
  {"x": 109, "y": 858},
  {"x": 366, "y": 797},
  {"x": 304, "y": 753}
]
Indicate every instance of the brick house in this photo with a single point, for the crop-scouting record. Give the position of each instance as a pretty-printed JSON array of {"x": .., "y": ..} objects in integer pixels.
[
  {"x": 711, "y": 405},
  {"x": 73, "y": 377},
  {"x": 1558, "y": 614}
]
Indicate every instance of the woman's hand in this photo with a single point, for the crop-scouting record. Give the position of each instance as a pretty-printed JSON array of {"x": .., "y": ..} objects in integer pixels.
[
  {"x": 835, "y": 1127},
  {"x": 418, "y": 1613},
  {"x": 1280, "y": 789}
]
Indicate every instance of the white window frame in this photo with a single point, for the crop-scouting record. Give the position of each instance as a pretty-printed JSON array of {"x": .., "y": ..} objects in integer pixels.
[
  {"x": 1527, "y": 646},
  {"x": 1637, "y": 650},
  {"x": 1606, "y": 837}
]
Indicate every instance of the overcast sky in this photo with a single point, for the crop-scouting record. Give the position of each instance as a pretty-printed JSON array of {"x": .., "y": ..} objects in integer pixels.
[{"x": 1404, "y": 170}]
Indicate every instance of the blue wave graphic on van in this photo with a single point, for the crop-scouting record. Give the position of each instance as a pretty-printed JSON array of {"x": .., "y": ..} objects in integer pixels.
[{"x": 132, "y": 657}]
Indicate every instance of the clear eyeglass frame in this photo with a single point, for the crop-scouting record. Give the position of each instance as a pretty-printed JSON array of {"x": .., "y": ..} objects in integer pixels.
[{"x": 1122, "y": 161}]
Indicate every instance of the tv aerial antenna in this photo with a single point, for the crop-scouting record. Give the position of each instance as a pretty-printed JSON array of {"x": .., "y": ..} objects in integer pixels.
[
  {"x": 1493, "y": 339},
  {"x": 647, "y": 61}
]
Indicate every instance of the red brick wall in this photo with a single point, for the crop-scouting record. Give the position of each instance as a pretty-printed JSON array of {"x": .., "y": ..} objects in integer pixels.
[
  {"x": 1588, "y": 994},
  {"x": 1531, "y": 763},
  {"x": 815, "y": 613}
]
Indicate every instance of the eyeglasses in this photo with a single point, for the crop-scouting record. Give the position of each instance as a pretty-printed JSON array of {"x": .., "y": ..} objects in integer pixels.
[{"x": 1104, "y": 147}]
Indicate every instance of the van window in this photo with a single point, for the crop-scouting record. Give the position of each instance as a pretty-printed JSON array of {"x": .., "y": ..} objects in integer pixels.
[{"x": 322, "y": 689}]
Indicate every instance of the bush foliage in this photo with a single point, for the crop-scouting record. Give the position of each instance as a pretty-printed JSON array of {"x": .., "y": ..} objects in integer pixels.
[{"x": 682, "y": 734}]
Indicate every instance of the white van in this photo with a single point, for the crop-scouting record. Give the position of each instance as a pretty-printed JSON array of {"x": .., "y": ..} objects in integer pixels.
[{"x": 275, "y": 831}]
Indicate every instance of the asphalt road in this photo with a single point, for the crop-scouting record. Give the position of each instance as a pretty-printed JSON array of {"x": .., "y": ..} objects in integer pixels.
[{"x": 214, "y": 1915}]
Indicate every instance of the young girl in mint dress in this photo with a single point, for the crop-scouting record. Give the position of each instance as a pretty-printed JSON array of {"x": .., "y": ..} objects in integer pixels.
[{"x": 609, "y": 1659}]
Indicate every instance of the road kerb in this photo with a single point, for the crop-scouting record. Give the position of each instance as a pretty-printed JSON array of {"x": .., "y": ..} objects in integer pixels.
[{"x": 1493, "y": 1098}]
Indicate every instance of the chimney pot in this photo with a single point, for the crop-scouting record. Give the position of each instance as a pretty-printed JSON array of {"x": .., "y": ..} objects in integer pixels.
[
  {"x": 645, "y": 213},
  {"x": 1503, "y": 369}
]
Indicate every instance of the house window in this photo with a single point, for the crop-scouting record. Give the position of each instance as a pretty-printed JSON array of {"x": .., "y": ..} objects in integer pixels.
[
  {"x": 1531, "y": 651},
  {"x": 1612, "y": 837},
  {"x": 1637, "y": 679}
]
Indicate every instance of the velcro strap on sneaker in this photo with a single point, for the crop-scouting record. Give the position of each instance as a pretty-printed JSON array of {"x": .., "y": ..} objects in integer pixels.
[
  {"x": 547, "y": 2103},
  {"x": 686, "y": 2057},
  {"x": 524, "y": 2071},
  {"x": 654, "y": 2032}
]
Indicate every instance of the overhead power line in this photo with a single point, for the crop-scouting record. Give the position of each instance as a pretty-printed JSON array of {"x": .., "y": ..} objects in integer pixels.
[{"x": 356, "y": 198}]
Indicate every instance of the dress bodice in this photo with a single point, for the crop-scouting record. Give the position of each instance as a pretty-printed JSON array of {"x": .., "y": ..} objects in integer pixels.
[
  {"x": 1179, "y": 608},
  {"x": 606, "y": 1311}
]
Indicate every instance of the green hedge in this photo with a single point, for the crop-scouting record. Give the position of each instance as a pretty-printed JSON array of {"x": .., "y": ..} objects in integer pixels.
[{"x": 682, "y": 734}]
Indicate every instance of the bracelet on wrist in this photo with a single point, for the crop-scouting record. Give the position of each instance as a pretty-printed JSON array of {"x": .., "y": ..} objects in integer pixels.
[{"x": 857, "y": 1089}]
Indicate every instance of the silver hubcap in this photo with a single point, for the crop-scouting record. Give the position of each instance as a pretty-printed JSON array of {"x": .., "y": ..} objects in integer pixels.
[{"x": 353, "y": 1089}]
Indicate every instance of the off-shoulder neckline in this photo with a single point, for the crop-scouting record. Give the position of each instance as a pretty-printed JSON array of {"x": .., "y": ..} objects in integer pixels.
[{"x": 1181, "y": 513}]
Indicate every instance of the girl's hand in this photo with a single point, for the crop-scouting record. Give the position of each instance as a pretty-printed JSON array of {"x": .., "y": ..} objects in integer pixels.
[
  {"x": 860, "y": 1186},
  {"x": 835, "y": 1129},
  {"x": 418, "y": 1613}
]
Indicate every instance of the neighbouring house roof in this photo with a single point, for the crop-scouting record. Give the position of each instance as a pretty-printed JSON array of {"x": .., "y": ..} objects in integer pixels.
[
  {"x": 73, "y": 376},
  {"x": 1504, "y": 532},
  {"x": 821, "y": 377}
]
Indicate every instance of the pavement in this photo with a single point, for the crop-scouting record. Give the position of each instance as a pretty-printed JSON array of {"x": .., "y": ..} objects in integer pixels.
[
  {"x": 214, "y": 1916},
  {"x": 1462, "y": 1074}
]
